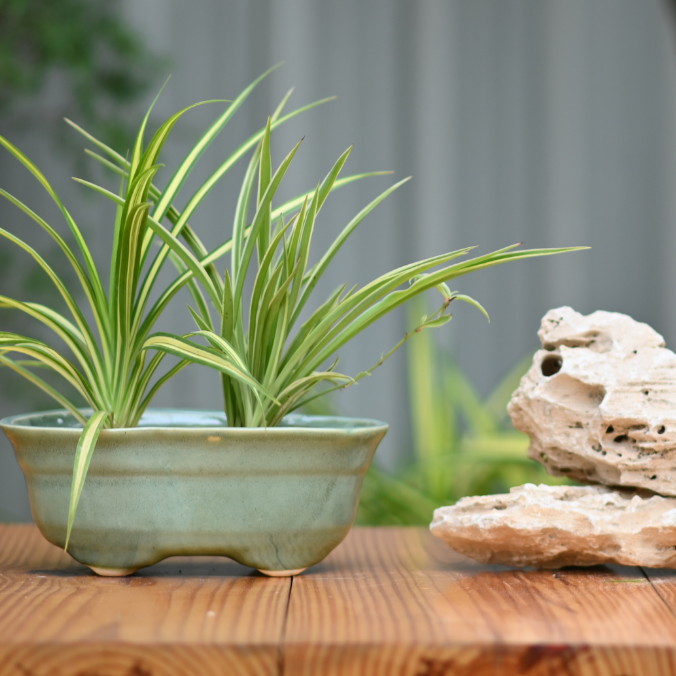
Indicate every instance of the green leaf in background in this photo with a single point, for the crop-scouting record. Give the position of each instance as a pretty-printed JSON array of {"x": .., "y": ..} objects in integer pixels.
[
  {"x": 103, "y": 63},
  {"x": 462, "y": 445}
]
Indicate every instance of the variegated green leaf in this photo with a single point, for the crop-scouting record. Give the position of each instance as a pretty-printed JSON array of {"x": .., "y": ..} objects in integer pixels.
[
  {"x": 83, "y": 456},
  {"x": 39, "y": 382},
  {"x": 198, "y": 354}
]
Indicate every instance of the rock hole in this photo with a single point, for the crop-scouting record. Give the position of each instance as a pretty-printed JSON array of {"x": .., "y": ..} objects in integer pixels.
[
  {"x": 610, "y": 429},
  {"x": 500, "y": 507},
  {"x": 661, "y": 429},
  {"x": 646, "y": 392},
  {"x": 653, "y": 477},
  {"x": 594, "y": 340},
  {"x": 551, "y": 365},
  {"x": 621, "y": 438}
]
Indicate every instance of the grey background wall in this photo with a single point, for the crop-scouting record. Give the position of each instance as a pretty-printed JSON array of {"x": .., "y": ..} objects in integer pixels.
[{"x": 535, "y": 120}]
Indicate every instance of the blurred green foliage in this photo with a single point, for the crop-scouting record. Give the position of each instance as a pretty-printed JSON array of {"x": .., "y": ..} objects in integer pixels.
[
  {"x": 91, "y": 65},
  {"x": 462, "y": 445},
  {"x": 102, "y": 62}
]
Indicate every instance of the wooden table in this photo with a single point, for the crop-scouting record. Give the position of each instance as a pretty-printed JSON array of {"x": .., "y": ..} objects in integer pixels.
[{"x": 388, "y": 601}]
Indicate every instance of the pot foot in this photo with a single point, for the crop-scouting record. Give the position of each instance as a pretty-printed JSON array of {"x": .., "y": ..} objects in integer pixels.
[
  {"x": 113, "y": 572},
  {"x": 282, "y": 573}
]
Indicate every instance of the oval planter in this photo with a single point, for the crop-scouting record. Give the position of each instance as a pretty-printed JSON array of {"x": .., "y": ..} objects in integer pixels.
[{"x": 183, "y": 483}]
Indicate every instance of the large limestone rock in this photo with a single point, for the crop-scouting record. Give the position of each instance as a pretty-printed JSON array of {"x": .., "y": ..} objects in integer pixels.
[
  {"x": 599, "y": 402},
  {"x": 555, "y": 526}
]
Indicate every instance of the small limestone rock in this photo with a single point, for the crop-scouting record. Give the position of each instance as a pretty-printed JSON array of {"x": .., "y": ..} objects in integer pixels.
[
  {"x": 599, "y": 402},
  {"x": 555, "y": 526}
]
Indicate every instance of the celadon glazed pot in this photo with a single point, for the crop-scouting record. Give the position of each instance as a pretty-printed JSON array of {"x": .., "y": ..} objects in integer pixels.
[{"x": 183, "y": 483}]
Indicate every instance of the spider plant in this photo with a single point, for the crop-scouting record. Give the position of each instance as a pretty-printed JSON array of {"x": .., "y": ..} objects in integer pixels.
[
  {"x": 461, "y": 444},
  {"x": 262, "y": 337},
  {"x": 108, "y": 366}
]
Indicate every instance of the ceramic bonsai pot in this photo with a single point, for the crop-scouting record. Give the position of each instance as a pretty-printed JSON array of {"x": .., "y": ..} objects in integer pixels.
[{"x": 183, "y": 483}]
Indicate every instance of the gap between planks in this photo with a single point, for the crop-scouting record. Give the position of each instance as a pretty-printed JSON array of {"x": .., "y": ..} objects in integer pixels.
[
  {"x": 281, "y": 660},
  {"x": 386, "y": 601}
]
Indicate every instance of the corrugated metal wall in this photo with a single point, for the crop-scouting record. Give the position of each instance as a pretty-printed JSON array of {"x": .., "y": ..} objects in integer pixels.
[{"x": 535, "y": 120}]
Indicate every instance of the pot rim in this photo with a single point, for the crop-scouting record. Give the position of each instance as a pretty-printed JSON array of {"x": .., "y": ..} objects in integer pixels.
[{"x": 293, "y": 423}]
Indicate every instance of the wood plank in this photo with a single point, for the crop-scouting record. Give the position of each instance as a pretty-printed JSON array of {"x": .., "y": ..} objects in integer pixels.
[
  {"x": 663, "y": 581},
  {"x": 386, "y": 602},
  {"x": 183, "y": 616},
  {"x": 400, "y": 602}
]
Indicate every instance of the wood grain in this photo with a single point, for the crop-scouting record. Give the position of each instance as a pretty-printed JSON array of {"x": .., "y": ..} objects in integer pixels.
[
  {"x": 400, "y": 602},
  {"x": 387, "y": 602},
  {"x": 663, "y": 581},
  {"x": 183, "y": 616}
]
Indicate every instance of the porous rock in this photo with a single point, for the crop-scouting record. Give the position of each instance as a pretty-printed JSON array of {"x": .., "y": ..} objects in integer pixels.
[
  {"x": 555, "y": 526},
  {"x": 599, "y": 402}
]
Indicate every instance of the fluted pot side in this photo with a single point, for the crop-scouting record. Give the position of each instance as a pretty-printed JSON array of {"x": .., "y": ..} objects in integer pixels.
[{"x": 183, "y": 483}]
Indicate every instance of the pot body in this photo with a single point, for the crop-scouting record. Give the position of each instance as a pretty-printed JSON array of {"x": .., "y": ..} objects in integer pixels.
[{"x": 183, "y": 483}]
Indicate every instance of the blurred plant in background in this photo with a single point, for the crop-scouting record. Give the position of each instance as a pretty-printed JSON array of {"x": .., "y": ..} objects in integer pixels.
[
  {"x": 91, "y": 66},
  {"x": 100, "y": 63},
  {"x": 462, "y": 445}
]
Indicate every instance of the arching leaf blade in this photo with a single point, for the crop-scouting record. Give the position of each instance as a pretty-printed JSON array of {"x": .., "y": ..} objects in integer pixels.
[
  {"x": 186, "y": 167},
  {"x": 44, "y": 386},
  {"x": 185, "y": 349},
  {"x": 83, "y": 457}
]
